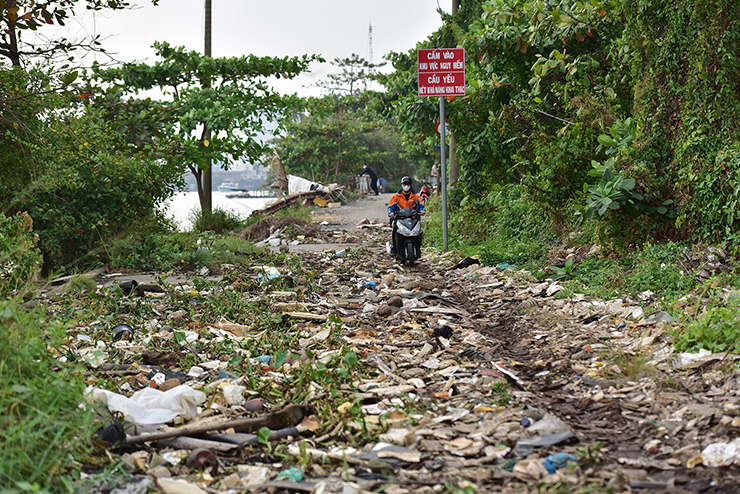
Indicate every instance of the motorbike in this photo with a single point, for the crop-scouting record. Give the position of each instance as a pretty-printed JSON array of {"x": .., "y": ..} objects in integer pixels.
[
  {"x": 425, "y": 193},
  {"x": 408, "y": 235}
]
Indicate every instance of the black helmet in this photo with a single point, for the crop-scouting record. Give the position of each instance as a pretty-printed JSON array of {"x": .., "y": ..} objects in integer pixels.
[{"x": 406, "y": 180}]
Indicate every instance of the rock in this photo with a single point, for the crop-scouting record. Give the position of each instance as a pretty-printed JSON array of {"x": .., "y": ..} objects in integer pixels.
[
  {"x": 530, "y": 470},
  {"x": 395, "y": 301},
  {"x": 387, "y": 279},
  {"x": 384, "y": 310},
  {"x": 169, "y": 384}
]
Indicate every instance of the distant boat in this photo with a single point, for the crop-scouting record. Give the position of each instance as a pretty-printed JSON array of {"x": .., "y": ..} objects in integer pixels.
[{"x": 229, "y": 187}]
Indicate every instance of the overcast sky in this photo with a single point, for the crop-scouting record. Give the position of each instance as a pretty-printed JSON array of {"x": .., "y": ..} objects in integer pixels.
[{"x": 331, "y": 28}]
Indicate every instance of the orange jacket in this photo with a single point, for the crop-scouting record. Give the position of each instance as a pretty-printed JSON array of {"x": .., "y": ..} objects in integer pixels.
[{"x": 400, "y": 201}]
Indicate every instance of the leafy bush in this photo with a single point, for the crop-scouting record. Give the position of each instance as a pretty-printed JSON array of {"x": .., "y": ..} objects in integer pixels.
[
  {"x": 41, "y": 424},
  {"x": 716, "y": 330},
  {"x": 88, "y": 191},
  {"x": 161, "y": 250},
  {"x": 217, "y": 221},
  {"x": 149, "y": 247},
  {"x": 19, "y": 257}
]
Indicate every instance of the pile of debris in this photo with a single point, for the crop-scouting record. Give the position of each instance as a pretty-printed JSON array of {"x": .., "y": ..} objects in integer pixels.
[{"x": 448, "y": 376}]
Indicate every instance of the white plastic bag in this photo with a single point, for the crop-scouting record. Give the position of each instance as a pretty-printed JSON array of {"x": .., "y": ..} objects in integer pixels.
[{"x": 151, "y": 406}]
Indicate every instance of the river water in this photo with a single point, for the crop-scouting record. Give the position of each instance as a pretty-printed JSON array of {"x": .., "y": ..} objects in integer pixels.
[{"x": 182, "y": 206}]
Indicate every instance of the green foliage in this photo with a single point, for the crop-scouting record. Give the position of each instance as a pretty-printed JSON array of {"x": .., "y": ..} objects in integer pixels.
[
  {"x": 654, "y": 267},
  {"x": 715, "y": 330},
  {"x": 19, "y": 258},
  {"x": 90, "y": 192},
  {"x": 658, "y": 267},
  {"x": 686, "y": 94},
  {"x": 566, "y": 272},
  {"x": 165, "y": 250},
  {"x": 68, "y": 172},
  {"x": 217, "y": 107},
  {"x": 712, "y": 318},
  {"x": 354, "y": 78},
  {"x": 338, "y": 136},
  {"x": 613, "y": 192},
  {"x": 217, "y": 221},
  {"x": 42, "y": 428},
  {"x": 505, "y": 225},
  {"x": 22, "y": 102}
]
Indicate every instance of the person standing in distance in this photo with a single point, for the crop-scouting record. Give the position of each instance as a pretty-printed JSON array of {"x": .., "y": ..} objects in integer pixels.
[{"x": 366, "y": 170}]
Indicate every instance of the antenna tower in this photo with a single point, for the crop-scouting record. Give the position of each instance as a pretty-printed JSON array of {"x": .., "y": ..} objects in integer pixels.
[{"x": 370, "y": 43}]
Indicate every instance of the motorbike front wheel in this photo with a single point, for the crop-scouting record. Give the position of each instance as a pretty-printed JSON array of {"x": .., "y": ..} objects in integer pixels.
[{"x": 410, "y": 253}]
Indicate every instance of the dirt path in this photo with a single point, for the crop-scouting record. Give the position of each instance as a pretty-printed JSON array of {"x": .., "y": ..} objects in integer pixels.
[
  {"x": 472, "y": 377},
  {"x": 340, "y": 226},
  {"x": 633, "y": 421}
]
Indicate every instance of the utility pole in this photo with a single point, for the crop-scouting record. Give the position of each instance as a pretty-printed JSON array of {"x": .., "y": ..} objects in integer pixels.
[
  {"x": 455, "y": 6},
  {"x": 207, "y": 173}
]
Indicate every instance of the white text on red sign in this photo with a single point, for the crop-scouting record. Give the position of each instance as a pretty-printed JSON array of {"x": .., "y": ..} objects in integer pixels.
[{"x": 441, "y": 72}]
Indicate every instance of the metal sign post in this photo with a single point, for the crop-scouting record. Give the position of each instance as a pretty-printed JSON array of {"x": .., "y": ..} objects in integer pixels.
[
  {"x": 442, "y": 133},
  {"x": 442, "y": 73}
]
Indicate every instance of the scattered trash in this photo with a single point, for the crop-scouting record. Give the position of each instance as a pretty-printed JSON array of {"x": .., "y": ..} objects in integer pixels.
[
  {"x": 151, "y": 406},
  {"x": 529, "y": 470},
  {"x": 555, "y": 462},
  {"x": 128, "y": 286},
  {"x": 122, "y": 332},
  {"x": 293, "y": 474},
  {"x": 662, "y": 317},
  {"x": 721, "y": 454},
  {"x": 269, "y": 273},
  {"x": 451, "y": 370},
  {"x": 527, "y": 446}
]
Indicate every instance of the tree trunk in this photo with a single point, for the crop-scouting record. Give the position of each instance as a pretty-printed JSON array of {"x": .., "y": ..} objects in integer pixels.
[
  {"x": 455, "y": 6},
  {"x": 12, "y": 53},
  {"x": 339, "y": 143},
  {"x": 454, "y": 165},
  {"x": 206, "y": 199},
  {"x": 282, "y": 180}
]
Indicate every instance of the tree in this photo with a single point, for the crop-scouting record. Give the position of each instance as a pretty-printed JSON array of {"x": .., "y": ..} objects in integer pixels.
[
  {"x": 354, "y": 78},
  {"x": 72, "y": 172},
  {"x": 226, "y": 97},
  {"x": 19, "y": 16},
  {"x": 327, "y": 142},
  {"x": 343, "y": 130}
]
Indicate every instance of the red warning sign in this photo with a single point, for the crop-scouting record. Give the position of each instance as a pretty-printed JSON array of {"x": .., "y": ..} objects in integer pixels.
[{"x": 441, "y": 72}]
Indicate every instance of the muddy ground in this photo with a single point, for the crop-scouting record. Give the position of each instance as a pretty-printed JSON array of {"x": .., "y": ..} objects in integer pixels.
[{"x": 475, "y": 376}]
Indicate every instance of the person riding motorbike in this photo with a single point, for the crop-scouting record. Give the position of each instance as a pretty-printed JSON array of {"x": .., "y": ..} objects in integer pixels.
[
  {"x": 425, "y": 193},
  {"x": 404, "y": 198}
]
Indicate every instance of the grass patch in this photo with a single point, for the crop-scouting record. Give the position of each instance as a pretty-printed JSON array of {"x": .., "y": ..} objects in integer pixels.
[
  {"x": 715, "y": 328},
  {"x": 502, "y": 227},
  {"x": 656, "y": 268},
  {"x": 42, "y": 429}
]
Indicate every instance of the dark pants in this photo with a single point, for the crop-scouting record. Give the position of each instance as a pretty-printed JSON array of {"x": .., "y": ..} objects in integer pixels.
[
  {"x": 374, "y": 184},
  {"x": 393, "y": 237}
]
